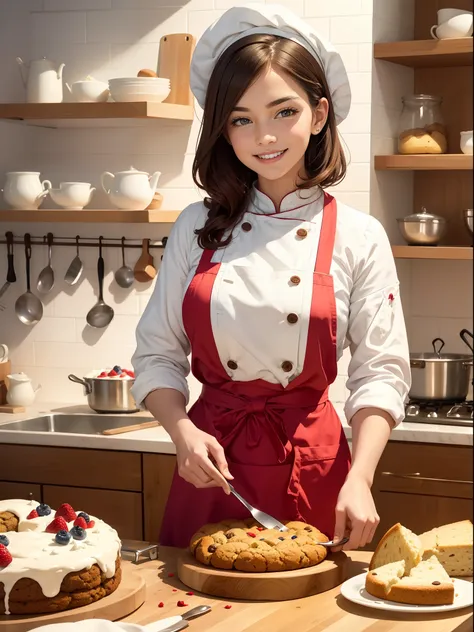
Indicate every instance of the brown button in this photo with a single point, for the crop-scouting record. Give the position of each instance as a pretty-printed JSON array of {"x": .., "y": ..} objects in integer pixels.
[
  {"x": 292, "y": 318},
  {"x": 295, "y": 280},
  {"x": 286, "y": 366},
  {"x": 302, "y": 232},
  {"x": 246, "y": 226},
  {"x": 232, "y": 365}
]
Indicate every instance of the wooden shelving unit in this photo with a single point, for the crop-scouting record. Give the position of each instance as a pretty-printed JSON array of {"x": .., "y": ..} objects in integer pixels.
[
  {"x": 103, "y": 216},
  {"x": 424, "y": 162},
  {"x": 458, "y": 253},
  {"x": 427, "y": 53}
]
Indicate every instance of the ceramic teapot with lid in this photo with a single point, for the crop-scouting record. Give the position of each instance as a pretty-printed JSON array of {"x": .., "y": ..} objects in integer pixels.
[
  {"x": 132, "y": 189},
  {"x": 20, "y": 390},
  {"x": 43, "y": 80}
]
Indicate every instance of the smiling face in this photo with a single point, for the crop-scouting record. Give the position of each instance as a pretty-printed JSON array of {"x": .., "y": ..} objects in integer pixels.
[{"x": 270, "y": 128}]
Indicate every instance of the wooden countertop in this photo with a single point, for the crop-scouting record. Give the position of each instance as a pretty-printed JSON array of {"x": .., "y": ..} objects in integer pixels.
[{"x": 326, "y": 612}]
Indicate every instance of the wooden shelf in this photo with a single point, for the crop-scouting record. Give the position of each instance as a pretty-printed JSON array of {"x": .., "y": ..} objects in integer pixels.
[
  {"x": 105, "y": 216},
  {"x": 459, "y": 253},
  {"x": 424, "y": 162},
  {"x": 112, "y": 110},
  {"x": 427, "y": 53}
]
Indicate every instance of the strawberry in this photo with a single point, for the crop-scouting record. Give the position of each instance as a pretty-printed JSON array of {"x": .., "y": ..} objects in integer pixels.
[
  {"x": 67, "y": 512},
  {"x": 5, "y": 556},
  {"x": 131, "y": 373},
  {"x": 90, "y": 524},
  {"x": 228, "y": 607},
  {"x": 80, "y": 522},
  {"x": 103, "y": 374},
  {"x": 112, "y": 373},
  {"x": 58, "y": 524},
  {"x": 32, "y": 514}
]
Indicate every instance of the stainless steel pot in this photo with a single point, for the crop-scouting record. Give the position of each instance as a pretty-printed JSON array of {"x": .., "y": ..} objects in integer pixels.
[
  {"x": 422, "y": 229},
  {"x": 108, "y": 396},
  {"x": 439, "y": 376}
]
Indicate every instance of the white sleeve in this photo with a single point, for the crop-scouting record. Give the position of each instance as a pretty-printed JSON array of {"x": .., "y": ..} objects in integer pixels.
[
  {"x": 379, "y": 371},
  {"x": 161, "y": 357}
]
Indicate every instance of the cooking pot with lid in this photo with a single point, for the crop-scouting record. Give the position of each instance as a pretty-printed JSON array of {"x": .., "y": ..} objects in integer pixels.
[
  {"x": 439, "y": 377},
  {"x": 108, "y": 395}
]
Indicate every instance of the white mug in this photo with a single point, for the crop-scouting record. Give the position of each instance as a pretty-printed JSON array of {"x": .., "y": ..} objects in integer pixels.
[
  {"x": 455, "y": 27},
  {"x": 3, "y": 353}
]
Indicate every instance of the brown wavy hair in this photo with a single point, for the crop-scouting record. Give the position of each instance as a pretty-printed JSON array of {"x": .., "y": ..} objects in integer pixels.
[{"x": 216, "y": 168}]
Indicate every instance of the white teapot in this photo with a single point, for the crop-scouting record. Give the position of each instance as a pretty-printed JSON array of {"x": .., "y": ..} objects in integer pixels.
[
  {"x": 23, "y": 190},
  {"x": 43, "y": 81},
  {"x": 132, "y": 189},
  {"x": 20, "y": 390}
]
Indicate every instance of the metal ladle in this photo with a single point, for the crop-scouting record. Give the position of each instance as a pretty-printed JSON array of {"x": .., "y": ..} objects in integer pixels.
[
  {"x": 73, "y": 273},
  {"x": 46, "y": 276},
  {"x": 124, "y": 275},
  {"x": 28, "y": 307},
  {"x": 101, "y": 314}
]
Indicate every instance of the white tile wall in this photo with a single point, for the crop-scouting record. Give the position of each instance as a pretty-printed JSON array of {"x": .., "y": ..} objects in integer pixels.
[{"x": 107, "y": 38}]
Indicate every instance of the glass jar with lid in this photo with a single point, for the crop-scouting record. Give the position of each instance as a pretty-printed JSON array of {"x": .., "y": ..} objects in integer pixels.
[{"x": 421, "y": 128}]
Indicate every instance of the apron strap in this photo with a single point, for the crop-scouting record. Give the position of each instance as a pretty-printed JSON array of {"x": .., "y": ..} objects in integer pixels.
[
  {"x": 205, "y": 261},
  {"x": 327, "y": 236}
]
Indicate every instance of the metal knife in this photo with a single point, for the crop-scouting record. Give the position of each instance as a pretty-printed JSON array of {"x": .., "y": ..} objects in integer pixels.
[{"x": 177, "y": 623}]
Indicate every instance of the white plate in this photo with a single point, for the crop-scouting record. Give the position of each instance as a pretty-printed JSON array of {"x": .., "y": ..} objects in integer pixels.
[{"x": 354, "y": 590}]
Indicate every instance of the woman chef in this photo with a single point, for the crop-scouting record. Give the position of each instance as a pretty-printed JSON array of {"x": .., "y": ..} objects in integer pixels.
[{"x": 265, "y": 283}]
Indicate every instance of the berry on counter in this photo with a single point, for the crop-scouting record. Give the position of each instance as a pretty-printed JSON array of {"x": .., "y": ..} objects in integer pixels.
[
  {"x": 181, "y": 604},
  {"x": 82, "y": 514},
  {"x": 43, "y": 510},
  {"x": 80, "y": 522},
  {"x": 58, "y": 524},
  {"x": 161, "y": 604},
  {"x": 5, "y": 556},
  {"x": 251, "y": 535},
  {"x": 63, "y": 537},
  {"x": 4, "y": 540},
  {"x": 228, "y": 607},
  {"x": 32, "y": 514},
  {"x": 67, "y": 512},
  {"x": 190, "y": 593},
  {"x": 78, "y": 533}
]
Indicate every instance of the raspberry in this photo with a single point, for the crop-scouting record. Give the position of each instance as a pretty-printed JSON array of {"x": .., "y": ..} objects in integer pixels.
[
  {"x": 228, "y": 607},
  {"x": 32, "y": 514},
  {"x": 66, "y": 512},
  {"x": 58, "y": 524},
  {"x": 161, "y": 604},
  {"x": 103, "y": 374},
  {"x": 90, "y": 524},
  {"x": 82, "y": 514},
  {"x": 80, "y": 522},
  {"x": 260, "y": 529},
  {"x": 5, "y": 556},
  {"x": 175, "y": 590},
  {"x": 252, "y": 535},
  {"x": 190, "y": 593},
  {"x": 181, "y": 604}
]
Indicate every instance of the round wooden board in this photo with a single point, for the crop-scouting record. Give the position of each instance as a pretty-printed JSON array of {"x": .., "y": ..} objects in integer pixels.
[
  {"x": 126, "y": 599},
  {"x": 277, "y": 586}
]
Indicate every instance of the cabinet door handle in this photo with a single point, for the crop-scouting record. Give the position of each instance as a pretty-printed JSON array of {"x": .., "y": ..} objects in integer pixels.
[{"x": 416, "y": 476}]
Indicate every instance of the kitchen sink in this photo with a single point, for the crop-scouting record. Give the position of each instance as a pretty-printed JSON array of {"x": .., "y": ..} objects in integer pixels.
[{"x": 75, "y": 424}]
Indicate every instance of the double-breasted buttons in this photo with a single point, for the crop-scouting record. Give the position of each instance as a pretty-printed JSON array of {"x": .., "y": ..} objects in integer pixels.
[
  {"x": 302, "y": 232},
  {"x": 232, "y": 365},
  {"x": 246, "y": 226},
  {"x": 292, "y": 319},
  {"x": 286, "y": 366},
  {"x": 295, "y": 280}
]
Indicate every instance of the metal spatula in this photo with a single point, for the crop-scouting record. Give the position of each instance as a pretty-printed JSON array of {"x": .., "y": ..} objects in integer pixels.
[{"x": 272, "y": 523}]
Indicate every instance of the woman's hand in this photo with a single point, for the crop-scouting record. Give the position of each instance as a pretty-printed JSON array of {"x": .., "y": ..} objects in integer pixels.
[
  {"x": 201, "y": 459},
  {"x": 356, "y": 515}
]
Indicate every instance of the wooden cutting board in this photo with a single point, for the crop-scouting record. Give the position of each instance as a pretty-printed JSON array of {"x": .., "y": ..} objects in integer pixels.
[
  {"x": 278, "y": 586},
  {"x": 129, "y": 596}
]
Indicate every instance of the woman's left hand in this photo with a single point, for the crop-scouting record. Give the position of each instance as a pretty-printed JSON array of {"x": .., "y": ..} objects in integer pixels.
[{"x": 356, "y": 515}]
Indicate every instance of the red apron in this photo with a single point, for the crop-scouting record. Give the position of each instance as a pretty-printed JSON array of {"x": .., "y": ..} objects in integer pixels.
[{"x": 285, "y": 446}]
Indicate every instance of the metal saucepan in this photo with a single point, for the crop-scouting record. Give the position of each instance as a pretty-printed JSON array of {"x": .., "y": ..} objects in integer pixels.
[
  {"x": 439, "y": 376},
  {"x": 108, "y": 395}
]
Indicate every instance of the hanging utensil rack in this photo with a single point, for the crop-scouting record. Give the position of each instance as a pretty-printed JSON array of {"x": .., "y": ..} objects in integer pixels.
[{"x": 112, "y": 242}]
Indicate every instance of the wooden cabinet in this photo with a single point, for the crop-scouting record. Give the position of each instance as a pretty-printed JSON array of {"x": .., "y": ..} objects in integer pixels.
[
  {"x": 158, "y": 470},
  {"x": 20, "y": 490},
  {"x": 422, "y": 486}
]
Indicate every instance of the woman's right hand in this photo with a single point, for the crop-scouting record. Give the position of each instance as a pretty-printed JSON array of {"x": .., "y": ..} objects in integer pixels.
[{"x": 200, "y": 457}]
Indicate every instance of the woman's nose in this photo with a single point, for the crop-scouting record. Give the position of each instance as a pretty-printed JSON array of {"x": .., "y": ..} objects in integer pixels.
[{"x": 265, "y": 138}]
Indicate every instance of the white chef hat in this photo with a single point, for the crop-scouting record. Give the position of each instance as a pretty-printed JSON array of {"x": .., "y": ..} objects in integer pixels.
[{"x": 273, "y": 19}]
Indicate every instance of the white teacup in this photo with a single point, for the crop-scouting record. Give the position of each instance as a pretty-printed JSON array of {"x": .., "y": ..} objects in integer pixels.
[
  {"x": 455, "y": 27},
  {"x": 466, "y": 142},
  {"x": 72, "y": 195},
  {"x": 446, "y": 14}
]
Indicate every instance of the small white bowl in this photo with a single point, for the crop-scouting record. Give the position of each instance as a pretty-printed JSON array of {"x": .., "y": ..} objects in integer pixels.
[
  {"x": 88, "y": 91},
  {"x": 72, "y": 196},
  {"x": 466, "y": 142},
  {"x": 134, "y": 94}
]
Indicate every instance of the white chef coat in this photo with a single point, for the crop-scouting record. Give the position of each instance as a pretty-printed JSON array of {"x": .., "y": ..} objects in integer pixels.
[{"x": 252, "y": 297}]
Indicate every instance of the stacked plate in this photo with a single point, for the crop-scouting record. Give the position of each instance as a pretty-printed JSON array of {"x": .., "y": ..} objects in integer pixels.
[{"x": 139, "y": 89}]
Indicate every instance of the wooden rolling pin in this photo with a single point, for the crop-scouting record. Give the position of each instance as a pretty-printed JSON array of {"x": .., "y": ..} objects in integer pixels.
[{"x": 144, "y": 424}]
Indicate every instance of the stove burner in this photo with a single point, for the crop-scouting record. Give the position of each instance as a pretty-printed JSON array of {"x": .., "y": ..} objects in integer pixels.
[{"x": 448, "y": 413}]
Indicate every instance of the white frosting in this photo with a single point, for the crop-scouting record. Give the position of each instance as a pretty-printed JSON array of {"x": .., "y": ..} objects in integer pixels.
[{"x": 38, "y": 556}]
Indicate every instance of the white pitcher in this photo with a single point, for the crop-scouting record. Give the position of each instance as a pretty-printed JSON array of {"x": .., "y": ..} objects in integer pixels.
[
  {"x": 23, "y": 190},
  {"x": 20, "y": 390},
  {"x": 132, "y": 189},
  {"x": 43, "y": 80}
]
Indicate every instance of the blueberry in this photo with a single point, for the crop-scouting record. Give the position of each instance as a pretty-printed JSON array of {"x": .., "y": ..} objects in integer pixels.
[
  {"x": 78, "y": 533},
  {"x": 293, "y": 537},
  {"x": 281, "y": 538},
  {"x": 62, "y": 537},
  {"x": 117, "y": 369},
  {"x": 83, "y": 514},
  {"x": 43, "y": 510},
  {"x": 4, "y": 540}
]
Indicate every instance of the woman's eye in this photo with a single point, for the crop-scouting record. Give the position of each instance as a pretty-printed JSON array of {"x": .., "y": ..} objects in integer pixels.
[
  {"x": 287, "y": 112},
  {"x": 238, "y": 122}
]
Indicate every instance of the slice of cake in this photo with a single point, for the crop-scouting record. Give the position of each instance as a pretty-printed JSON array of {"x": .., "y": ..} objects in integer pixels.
[
  {"x": 427, "y": 584},
  {"x": 399, "y": 543},
  {"x": 379, "y": 581},
  {"x": 452, "y": 545}
]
